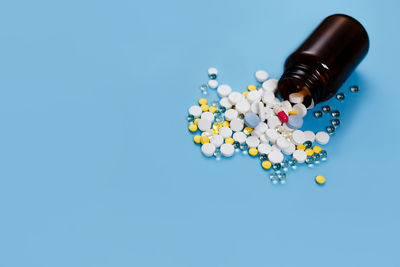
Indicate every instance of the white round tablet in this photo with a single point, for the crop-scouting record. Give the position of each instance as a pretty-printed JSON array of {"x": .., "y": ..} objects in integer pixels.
[
  {"x": 224, "y": 90},
  {"x": 254, "y": 107},
  {"x": 224, "y": 102},
  {"x": 263, "y": 139},
  {"x": 322, "y": 138},
  {"x": 275, "y": 156},
  {"x": 264, "y": 149},
  {"x": 273, "y": 122},
  {"x": 268, "y": 97},
  {"x": 243, "y": 106},
  {"x": 209, "y": 133},
  {"x": 310, "y": 136},
  {"x": 195, "y": 111},
  {"x": 282, "y": 143},
  {"x": 225, "y": 132},
  {"x": 261, "y": 75},
  {"x": 208, "y": 116},
  {"x": 270, "y": 85},
  {"x": 253, "y": 96},
  {"x": 260, "y": 129},
  {"x": 204, "y": 124},
  {"x": 227, "y": 150},
  {"x": 301, "y": 109},
  {"x": 296, "y": 98},
  {"x": 236, "y": 125},
  {"x": 208, "y": 149},
  {"x": 231, "y": 114},
  {"x": 240, "y": 137},
  {"x": 217, "y": 140},
  {"x": 252, "y": 141},
  {"x": 212, "y": 84},
  {"x": 298, "y": 137},
  {"x": 300, "y": 156},
  {"x": 212, "y": 71},
  {"x": 235, "y": 97},
  {"x": 286, "y": 106},
  {"x": 272, "y": 135},
  {"x": 290, "y": 149}
]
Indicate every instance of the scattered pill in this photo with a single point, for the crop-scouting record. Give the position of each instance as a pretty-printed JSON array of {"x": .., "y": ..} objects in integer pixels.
[
  {"x": 270, "y": 85},
  {"x": 212, "y": 71},
  {"x": 204, "y": 124},
  {"x": 224, "y": 90},
  {"x": 225, "y": 124},
  {"x": 261, "y": 75},
  {"x": 197, "y": 139},
  {"x": 320, "y": 179},
  {"x": 212, "y": 84},
  {"x": 264, "y": 148},
  {"x": 204, "y": 108},
  {"x": 309, "y": 152},
  {"x": 317, "y": 149},
  {"x": 275, "y": 156},
  {"x": 208, "y": 116},
  {"x": 298, "y": 137},
  {"x": 247, "y": 130},
  {"x": 296, "y": 98},
  {"x": 243, "y": 106},
  {"x": 204, "y": 140},
  {"x": 251, "y": 120},
  {"x": 225, "y": 132},
  {"x": 235, "y": 97},
  {"x": 192, "y": 127},
  {"x": 195, "y": 111},
  {"x": 212, "y": 109},
  {"x": 217, "y": 140},
  {"x": 322, "y": 138},
  {"x": 295, "y": 122},
  {"x": 202, "y": 101},
  {"x": 300, "y": 156},
  {"x": 229, "y": 140},
  {"x": 239, "y": 137},
  {"x": 266, "y": 164},
  {"x": 301, "y": 109},
  {"x": 273, "y": 122},
  {"x": 310, "y": 136},
  {"x": 272, "y": 135},
  {"x": 252, "y": 141},
  {"x": 268, "y": 97},
  {"x": 224, "y": 102},
  {"x": 254, "y": 96},
  {"x": 253, "y": 151},
  {"x": 290, "y": 149},
  {"x": 236, "y": 125},
  {"x": 251, "y": 87},
  {"x": 227, "y": 150},
  {"x": 208, "y": 149}
]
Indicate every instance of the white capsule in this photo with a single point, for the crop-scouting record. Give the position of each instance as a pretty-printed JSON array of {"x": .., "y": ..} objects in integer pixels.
[
  {"x": 243, "y": 106},
  {"x": 208, "y": 116},
  {"x": 300, "y": 156},
  {"x": 195, "y": 111},
  {"x": 322, "y": 138},
  {"x": 225, "y": 132},
  {"x": 212, "y": 71},
  {"x": 275, "y": 156},
  {"x": 310, "y": 136},
  {"x": 204, "y": 124},
  {"x": 253, "y": 96},
  {"x": 224, "y": 90},
  {"x": 268, "y": 97},
  {"x": 298, "y": 137},
  {"x": 261, "y": 75},
  {"x": 264, "y": 148},
  {"x": 208, "y": 149},
  {"x": 252, "y": 141},
  {"x": 235, "y": 97},
  {"x": 272, "y": 135},
  {"x": 270, "y": 85},
  {"x": 254, "y": 107},
  {"x": 217, "y": 140},
  {"x": 231, "y": 114},
  {"x": 240, "y": 137},
  {"x": 212, "y": 84},
  {"x": 224, "y": 102},
  {"x": 301, "y": 109},
  {"x": 273, "y": 122},
  {"x": 227, "y": 150},
  {"x": 236, "y": 125}
]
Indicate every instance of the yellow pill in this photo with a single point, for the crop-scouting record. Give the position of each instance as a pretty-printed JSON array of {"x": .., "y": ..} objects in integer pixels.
[
  {"x": 215, "y": 131},
  {"x": 202, "y": 101},
  {"x": 196, "y": 121},
  {"x": 253, "y": 151},
  {"x": 245, "y": 93},
  {"x": 266, "y": 164},
  {"x": 301, "y": 147},
  {"x": 212, "y": 109},
  {"x": 225, "y": 124},
  {"x": 251, "y": 87},
  {"x": 217, "y": 125},
  {"x": 204, "y": 140},
  {"x": 204, "y": 108},
  {"x": 229, "y": 140},
  {"x": 320, "y": 179},
  {"x": 192, "y": 127},
  {"x": 317, "y": 149},
  {"x": 197, "y": 139},
  {"x": 292, "y": 112},
  {"x": 309, "y": 152},
  {"x": 247, "y": 130}
]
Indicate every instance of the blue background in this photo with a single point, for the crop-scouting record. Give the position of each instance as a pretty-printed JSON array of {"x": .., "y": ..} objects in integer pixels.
[{"x": 97, "y": 167}]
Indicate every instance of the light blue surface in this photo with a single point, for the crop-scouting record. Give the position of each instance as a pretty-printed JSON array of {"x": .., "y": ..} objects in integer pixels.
[{"x": 98, "y": 168}]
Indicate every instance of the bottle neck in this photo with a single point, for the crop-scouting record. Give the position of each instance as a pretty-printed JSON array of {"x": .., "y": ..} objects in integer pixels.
[{"x": 301, "y": 77}]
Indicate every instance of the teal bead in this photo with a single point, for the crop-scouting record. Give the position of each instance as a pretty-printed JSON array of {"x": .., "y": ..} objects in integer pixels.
[
  {"x": 335, "y": 113},
  {"x": 274, "y": 178},
  {"x": 276, "y": 166},
  {"x": 217, "y": 153},
  {"x": 190, "y": 118},
  {"x": 222, "y": 109},
  {"x": 326, "y": 108},
  {"x": 204, "y": 89},
  {"x": 215, "y": 103},
  {"x": 354, "y": 89},
  {"x": 292, "y": 163},
  {"x": 323, "y": 154},
  {"x": 219, "y": 118},
  {"x": 340, "y": 96},
  {"x": 335, "y": 122},
  {"x": 263, "y": 157},
  {"x": 318, "y": 114},
  {"x": 244, "y": 147},
  {"x": 317, "y": 157},
  {"x": 281, "y": 177},
  {"x": 213, "y": 76},
  {"x": 285, "y": 164},
  {"x": 330, "y": 129},
  {"x": 308, "y": 144},
  {"x": 236, "y": 144},
  {"x": 310, "y": 160}
]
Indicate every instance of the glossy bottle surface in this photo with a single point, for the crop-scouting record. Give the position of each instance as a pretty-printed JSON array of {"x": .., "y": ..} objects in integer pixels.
[{"x": 325, "y": 59}]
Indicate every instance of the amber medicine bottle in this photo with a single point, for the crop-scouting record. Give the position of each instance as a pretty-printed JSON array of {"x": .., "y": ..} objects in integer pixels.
[{"x": 325, "y": 59}]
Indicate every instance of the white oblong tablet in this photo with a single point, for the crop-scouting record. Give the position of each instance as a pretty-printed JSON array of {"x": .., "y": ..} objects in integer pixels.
[
  {"x": 310, "y": 136},
  {"x": 212, "y": 71},
  {"x": 264, "y": 149},
  {"x": 243, "y": 106},
  {"x": 275, "y": 156},
  {"x": 252, "y": 141},
  {"x": 261, "y": 111},
  {"x": 231, "y": 114},
  {"x": 236, "y": 125},
  {"x": 217, "y": 140},
  {"x": 301, "y": 109},
  {"x": 273, "y": 122},
  {"x": 235, "y": 97},
  {"x": 261, "y": 75},
  {"x": 224, "y": 102},
  {"x": 272, "y": 135},
  {"x": 300, "y": 155},
  {"x": 204, "y": 124},
  {"x": 253, "y": 96},
  {"x": 290, "y": 149},
  {"x": 322, "y": 138},
  {"x": 208, "y": 149},
  {"x": 224, "y": 90},
  {"x": 227, "y": 150},
  {"x": 240, "y": 137},
  {"x": 208, "y": 116},
  {"x": 212, "y": 84},
  {"x": 268, "y": 97},
  {"x": 282, "y": 143},
  {"x": 286, "y": 106},
  {"x": 270, "y": 85},
  {"x": 296, "y": 98},
  {"x": 225, "y": 132},
  {"x": 254, "y": 107},
  {"x": 298, "y": 137},
  {"x": 195, "y": 111}
]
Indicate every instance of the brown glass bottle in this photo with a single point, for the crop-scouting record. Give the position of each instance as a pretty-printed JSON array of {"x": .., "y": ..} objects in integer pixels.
[{"x": 325, "y": 59}]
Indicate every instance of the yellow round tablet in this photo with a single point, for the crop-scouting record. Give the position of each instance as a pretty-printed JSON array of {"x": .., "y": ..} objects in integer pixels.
[
  {"x": 229, "y": 140},
  {"x": 253, "y": 151},
  {"x": 317, "y": 149},
  {"x": 196, "y": 121},
  {"x": 320, "y": 179},
  {"x": 192, "y": 127},
  {"x": 212, "y": 109},
  {"x": 247, "y": 130},
  {"x": 225, "y": 124},
  {"x": 245, "y": 93},
  {"x": 301, "y": 147},
  {"x": 202, "y": 101},
  {"x": 309, "y": 152},
  {"x": 266, "y": 164},
  {"x": 204, "y": 108},
  {"x": 197, "y": 139},
  {"x": 251, "y": 87},
  {"x": 204, "y": 139}
]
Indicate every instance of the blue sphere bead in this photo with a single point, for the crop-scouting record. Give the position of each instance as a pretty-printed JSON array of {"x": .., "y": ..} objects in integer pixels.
[
  {"x": 323, "y": 154},
  {"x": 310, "y": 160},
  {"x": 317, "y": 157},
  {"x": 308, "y": 144},
  {"x": 190, "y": 118},
  {"x": 282, "y": 177},
  {"x": 276, "y": 166},
  {"x": 273, "y": 177}
]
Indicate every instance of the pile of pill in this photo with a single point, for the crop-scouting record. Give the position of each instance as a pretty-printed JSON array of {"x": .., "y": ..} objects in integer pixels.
[{"x": 259, "y": 123}]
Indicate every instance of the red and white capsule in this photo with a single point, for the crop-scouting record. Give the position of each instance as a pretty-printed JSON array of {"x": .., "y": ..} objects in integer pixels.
[{"x": 282, "y": 116}]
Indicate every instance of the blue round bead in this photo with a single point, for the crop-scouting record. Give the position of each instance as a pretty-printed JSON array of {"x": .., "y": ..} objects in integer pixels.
[{"x": 251, "y": 119}]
